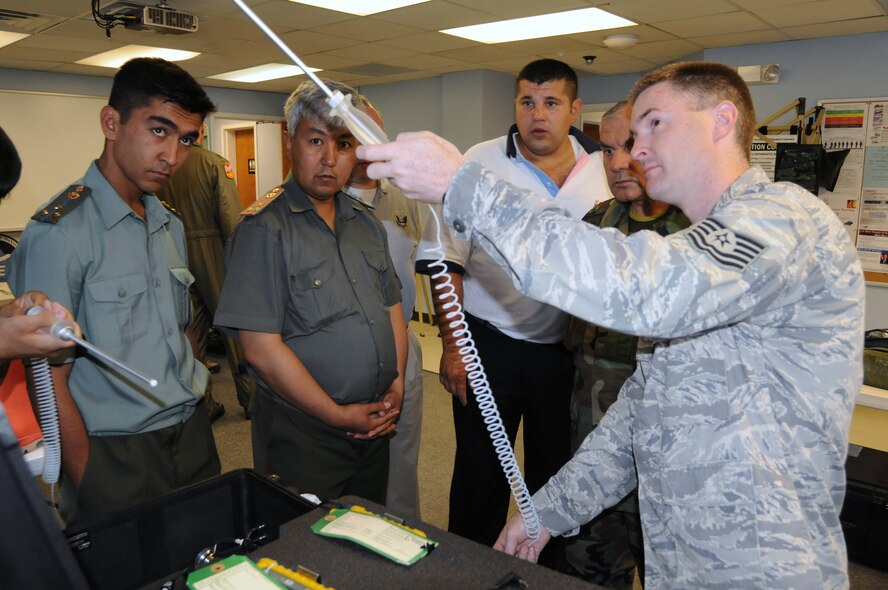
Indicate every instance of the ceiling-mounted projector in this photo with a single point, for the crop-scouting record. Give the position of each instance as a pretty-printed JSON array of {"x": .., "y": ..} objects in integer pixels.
[{"x": 163, "y": 19}]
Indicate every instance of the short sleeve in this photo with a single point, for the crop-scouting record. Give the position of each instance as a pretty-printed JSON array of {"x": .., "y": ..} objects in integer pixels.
[{"x": 254, "y": 296}]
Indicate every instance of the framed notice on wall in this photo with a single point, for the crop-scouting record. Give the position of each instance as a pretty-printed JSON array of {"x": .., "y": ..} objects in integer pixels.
[{"x": 860, "y": 195}]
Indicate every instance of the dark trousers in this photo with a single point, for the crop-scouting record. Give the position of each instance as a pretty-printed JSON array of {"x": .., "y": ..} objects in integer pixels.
[
  {"x": 314, "y": 457},
  {"x": 527, "y": 379},
  {"x": 124, "y": 471}
]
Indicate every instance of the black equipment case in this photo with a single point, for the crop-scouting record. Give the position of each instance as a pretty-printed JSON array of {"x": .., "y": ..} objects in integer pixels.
[
  {"x": 157, "y": 539},
  {"x": 865, "y": 512}
]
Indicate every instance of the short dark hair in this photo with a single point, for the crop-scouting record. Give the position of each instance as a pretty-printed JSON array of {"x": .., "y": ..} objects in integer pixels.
[
  {"x": 705, "y": 84},
  {"x": 10, "y": 164},
  {"x": 546, "y": 70},
  {"x": 142, "y": 79}
]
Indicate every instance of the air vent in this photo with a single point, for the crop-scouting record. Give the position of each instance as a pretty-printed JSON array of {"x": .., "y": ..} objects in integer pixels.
[{"x": 26, "y": 22}]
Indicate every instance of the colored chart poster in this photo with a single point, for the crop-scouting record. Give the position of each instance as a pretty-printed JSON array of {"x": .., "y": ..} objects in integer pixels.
[
  {"x": 860, "y": 198},
  {"x": 844, "y": 128}
]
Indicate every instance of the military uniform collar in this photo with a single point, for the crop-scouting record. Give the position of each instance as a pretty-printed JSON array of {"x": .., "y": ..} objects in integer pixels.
[
  {"x": 299, "y": 202},
  {"x": 751, "y": 177},
  {"x": 113, "y": 209}
]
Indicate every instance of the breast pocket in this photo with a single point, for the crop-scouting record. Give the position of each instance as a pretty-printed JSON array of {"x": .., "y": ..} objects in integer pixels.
[
  {"x": 182, "y": 279},
  {"x": 377, "y": 267},
  {"x": 316, "y": 297},
  {"x": 113, "y": 313}
]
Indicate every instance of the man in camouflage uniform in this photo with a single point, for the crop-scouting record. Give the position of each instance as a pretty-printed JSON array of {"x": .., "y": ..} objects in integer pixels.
[
  {"x": 607, "y": 550},
  {"x": 735, "y": 425}
]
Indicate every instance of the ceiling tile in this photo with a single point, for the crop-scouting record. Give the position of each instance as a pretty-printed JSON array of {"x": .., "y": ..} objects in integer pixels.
[
  {"x": 26, "y": 64},
  {"x": 734, "y": 22},
  {"x": 427, "y": 62},
  {"x": 747, "y": 38},
  {"x": 434, "y": 16},
  {"x": 662, "y": 51},
  {"x": 479, "y": 54},
  {"x": 519, "y": 8},
  {"x": 48, "y": 7},
  {"x": 62, "y": 44},
  {"x": 825, "y": 11},
  {"x": 222, "y": 28},
  {"x": 367, "y": 29},
  {"x": 281, "y": 14},
  {"x": 653, "y": 11},
  {"x": 47, "y": 55},
  {"x": 646, "y": 34},
  {"x": 629, "y": 67},
  {"x": 371, "y": 52},
  {"x": 328, "y": 61},
  {"x": 846, "y": 27},
  {"x": 576, "y": 58},
  {"x": 430, "y": 42},
  {"x": 546, "y": 45},
  {"x": 306, "y": 42},
  {"x": 754, "y": 5},
  {"x": 512, "y": 66}
]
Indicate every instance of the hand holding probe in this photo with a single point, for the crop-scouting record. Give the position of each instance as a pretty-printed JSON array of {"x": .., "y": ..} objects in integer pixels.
[{"x": 358, "y": 122}]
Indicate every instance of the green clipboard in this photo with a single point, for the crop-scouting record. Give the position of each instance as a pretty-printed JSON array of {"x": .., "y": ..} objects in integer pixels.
[{"x": 381, "y": 535}]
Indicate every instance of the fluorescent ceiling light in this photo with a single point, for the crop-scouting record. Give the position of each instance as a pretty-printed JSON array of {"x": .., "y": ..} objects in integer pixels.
[
  {"x": 360, "y": 7},
  {"x": 544, "y": 25},
  {"x": 117, "y": 57},
  {"x": 7, "y": 38},
  {"x": 262, "y": 73}
]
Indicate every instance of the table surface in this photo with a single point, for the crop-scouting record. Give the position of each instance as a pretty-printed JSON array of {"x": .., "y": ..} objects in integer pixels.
[{"x": 456, "y": 563}]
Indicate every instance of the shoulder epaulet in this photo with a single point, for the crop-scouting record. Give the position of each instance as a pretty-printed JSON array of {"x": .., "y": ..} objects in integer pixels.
[
  {"x": 169, "y": 207},
  {"x": 63, "y": 204},
  {"x": 260, "y": 204}
]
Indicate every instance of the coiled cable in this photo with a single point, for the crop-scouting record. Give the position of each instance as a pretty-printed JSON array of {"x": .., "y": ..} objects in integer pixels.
[
  {"x": 481, "y": 386},
  {"x": 49, "y": 420}
]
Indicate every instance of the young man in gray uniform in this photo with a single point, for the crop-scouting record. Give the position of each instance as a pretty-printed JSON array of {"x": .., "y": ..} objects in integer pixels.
[
  {"x": 107, "y": 249},
  {"x": 735, "y": 424},
  {"x": 313, "y": 294},
  {"x": 204, "y": 194},
  {"x": 403, "y": 226}
]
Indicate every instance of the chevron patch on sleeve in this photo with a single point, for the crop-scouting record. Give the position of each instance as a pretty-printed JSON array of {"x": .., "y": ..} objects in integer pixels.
[{"x": 727, "y": 248}]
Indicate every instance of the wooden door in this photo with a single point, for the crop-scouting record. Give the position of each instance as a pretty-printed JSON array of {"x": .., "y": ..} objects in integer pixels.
[{"x": 245, "y": 148}]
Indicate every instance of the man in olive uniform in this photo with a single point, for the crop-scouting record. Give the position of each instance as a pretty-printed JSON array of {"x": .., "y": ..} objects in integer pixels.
[
  {"x": 323, "y": 332},
  {"x": 204, "y": 194},
  {"x": 608, "y": 550}
]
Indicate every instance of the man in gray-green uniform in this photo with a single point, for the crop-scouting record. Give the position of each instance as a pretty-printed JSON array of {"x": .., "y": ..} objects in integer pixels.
[
  {"x": 108, "y": 250},
  {"x": 204, "y": 194},
  {"x": 735, "y": 425},
  {"x": 403, "y": 226},
  {"x": 608, "y": 549},
  {"x": 323, "y": 333}
]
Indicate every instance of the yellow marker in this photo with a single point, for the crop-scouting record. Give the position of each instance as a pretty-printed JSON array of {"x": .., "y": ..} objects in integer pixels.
[{"x": 306, "y": 578}]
